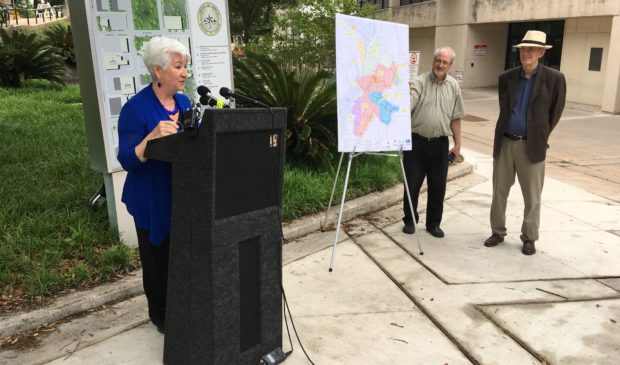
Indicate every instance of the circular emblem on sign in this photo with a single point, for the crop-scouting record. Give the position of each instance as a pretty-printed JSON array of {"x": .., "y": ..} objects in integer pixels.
[{"x": 209, "y": 19}]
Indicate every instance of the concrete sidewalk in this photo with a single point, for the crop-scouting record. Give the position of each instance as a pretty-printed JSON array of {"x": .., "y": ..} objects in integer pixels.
[{"x": 459, "y": 303}]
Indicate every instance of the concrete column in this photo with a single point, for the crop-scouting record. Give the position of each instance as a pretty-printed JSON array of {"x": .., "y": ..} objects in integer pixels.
[
  {"x": 456, "y": 37},
  {"x": 611, "y": 94}
]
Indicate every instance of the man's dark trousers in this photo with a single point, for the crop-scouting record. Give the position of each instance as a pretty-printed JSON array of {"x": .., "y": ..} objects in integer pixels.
[{"x": 426, "y": 159}]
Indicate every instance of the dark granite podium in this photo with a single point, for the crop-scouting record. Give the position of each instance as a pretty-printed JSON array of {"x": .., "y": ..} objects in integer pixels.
[{"x": 224, "y": 296}]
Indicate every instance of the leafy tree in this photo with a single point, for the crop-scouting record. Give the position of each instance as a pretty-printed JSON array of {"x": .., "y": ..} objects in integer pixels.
[
  {"x": 27, "y": 56},
  {"x": 306, "y": 31},
  {"x": 308, "y": 93},
  {"x": 250, "y": 18}
]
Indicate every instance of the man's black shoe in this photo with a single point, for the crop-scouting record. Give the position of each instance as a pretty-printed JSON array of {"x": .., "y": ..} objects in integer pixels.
[
  {"x": 409, "y": 228},
  {"x": 435, "y": 231}
]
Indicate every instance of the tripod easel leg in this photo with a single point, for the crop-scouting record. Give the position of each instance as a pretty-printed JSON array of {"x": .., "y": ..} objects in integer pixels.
[
  {"x": 344, "y": 195},
  {"x": 402, "y": 166},
  {"x": 333, "y": 190}
]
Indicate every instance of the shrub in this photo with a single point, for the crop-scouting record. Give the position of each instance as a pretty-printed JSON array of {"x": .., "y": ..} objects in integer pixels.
[
  {"x": 61, "y": 37},
  {"x": 26, "y": 56},
  {"x": 309, "y": 94}
]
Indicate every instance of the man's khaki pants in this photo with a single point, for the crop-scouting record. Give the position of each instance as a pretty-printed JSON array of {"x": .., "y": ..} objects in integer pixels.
[{"x": 513, "y": 159}]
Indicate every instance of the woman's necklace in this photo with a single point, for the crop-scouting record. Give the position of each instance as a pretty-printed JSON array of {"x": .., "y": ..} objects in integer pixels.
[
  {"x": 173, "y": 111},
  {"x": 168, "y": 111}
]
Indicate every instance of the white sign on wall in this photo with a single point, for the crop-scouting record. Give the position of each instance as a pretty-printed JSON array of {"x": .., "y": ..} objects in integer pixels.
[
  {"x": 414, "y": 64},
  {"x": 480, "y": 50}
]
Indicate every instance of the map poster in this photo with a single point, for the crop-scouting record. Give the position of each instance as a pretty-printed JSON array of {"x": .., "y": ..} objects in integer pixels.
[{"x": 372, "y": 75}]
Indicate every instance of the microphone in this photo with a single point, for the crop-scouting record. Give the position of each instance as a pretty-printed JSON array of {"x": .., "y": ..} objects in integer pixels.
[
  {"x": 206, "y": 98},
  {"x": 227, "y": 93}
]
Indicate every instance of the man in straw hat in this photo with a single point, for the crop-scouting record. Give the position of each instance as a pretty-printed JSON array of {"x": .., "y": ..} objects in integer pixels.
[{"x": 531, "y": 99}]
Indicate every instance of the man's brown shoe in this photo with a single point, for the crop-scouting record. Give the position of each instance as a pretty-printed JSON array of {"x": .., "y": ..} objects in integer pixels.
[
  {"x": 528, "y": 248},
  {"x": 494, "y": 240}
]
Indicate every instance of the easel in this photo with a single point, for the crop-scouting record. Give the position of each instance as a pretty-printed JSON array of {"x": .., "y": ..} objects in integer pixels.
[{"x": 352, "y": 155}]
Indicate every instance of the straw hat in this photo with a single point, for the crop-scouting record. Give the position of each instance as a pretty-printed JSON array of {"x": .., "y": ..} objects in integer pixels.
[{"x": 534, "y": 38}]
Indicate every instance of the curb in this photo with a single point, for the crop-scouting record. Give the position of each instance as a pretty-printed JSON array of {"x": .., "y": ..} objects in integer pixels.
[{"x": 82, "y": 301}]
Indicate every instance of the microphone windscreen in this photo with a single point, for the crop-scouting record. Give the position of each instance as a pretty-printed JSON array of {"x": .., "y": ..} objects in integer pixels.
[
  {"x": 225, "y": 92},
  {"x": 202, "y": 90},
  {"x": 204, "y": 100}
]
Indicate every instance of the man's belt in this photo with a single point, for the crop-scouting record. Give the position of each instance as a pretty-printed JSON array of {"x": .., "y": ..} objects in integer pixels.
[
  {"x": 515, "y": 138},
  {"x": 422, "y": 138}
]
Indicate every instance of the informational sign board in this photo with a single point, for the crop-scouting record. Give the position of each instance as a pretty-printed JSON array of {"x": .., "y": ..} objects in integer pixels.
[
  {"x": 414, "y": 64},
  {"x": 372, "y": 73},
  {"x": 119, "y": 29}
]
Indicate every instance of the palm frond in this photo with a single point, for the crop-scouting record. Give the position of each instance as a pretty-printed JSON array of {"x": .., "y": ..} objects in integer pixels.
[{"x": 308, "y": 93}]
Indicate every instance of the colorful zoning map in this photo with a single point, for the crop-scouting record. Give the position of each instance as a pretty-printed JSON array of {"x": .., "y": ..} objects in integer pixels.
[{"x": 372, "y": 68}]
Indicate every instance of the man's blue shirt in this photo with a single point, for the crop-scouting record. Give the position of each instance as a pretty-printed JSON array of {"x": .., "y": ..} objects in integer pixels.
[{"x": 518, "y": 117}]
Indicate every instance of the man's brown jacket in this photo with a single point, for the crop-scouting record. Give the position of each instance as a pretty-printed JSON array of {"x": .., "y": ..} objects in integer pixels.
[{"x": 543, "y": 113}]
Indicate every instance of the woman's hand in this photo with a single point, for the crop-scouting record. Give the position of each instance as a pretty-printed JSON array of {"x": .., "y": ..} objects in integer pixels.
[{"x": 164, "y": 128}]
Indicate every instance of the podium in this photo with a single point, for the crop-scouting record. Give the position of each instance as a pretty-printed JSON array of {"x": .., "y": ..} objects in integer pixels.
[{"x": 224, "y": 301}]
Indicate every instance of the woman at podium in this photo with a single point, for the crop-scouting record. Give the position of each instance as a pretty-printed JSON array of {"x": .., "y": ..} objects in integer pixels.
[{"x": 152, "y": 113}]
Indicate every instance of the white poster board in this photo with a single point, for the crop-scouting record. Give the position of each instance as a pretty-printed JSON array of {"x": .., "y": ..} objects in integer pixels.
[
  {"x": 372, "y": 74},
  {"x": 119, "y": 28}
]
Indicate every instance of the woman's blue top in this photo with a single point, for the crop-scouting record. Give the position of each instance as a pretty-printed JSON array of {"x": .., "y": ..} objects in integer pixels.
[{"x": 148, "y": 187}]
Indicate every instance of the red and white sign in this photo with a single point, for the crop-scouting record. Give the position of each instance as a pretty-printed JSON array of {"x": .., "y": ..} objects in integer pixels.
[
  {"x": 414, "y": 64},
  {"x": 480, "y": 50}
]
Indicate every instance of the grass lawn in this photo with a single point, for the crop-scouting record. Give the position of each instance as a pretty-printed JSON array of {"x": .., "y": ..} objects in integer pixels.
[{"x": 50, "y": 240}]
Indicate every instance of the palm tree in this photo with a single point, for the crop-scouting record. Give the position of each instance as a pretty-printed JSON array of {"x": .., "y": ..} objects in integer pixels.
[
  {"x": 309, "y": 94},
  {"x": 26, "y": 56}
]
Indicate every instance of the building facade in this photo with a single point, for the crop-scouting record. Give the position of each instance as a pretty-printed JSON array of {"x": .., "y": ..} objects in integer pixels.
[{"x": 585, "y": 35}]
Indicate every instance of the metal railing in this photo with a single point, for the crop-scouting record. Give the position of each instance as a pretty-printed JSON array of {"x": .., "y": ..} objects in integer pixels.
[{"x": 15, "y": 16}]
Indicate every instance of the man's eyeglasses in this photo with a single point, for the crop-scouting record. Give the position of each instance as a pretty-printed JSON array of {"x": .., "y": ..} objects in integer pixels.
[{"x": 440, "y": 62}]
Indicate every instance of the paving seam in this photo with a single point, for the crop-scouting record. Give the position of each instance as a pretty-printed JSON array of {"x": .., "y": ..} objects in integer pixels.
[
  {"x": 514, "y": 337},
  {"x": 536, "y": 302},
  {"x": 609, "y": 286},
  {"x": 416, "y": 303},
  {"x": 412, "y": 255},
  {"x": 87, "y": 343}
]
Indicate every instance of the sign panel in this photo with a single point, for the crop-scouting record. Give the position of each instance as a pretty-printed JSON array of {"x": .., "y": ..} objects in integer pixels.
[
  {"x": 480, "y": 50},
  {"x": 372, "y": 73}
]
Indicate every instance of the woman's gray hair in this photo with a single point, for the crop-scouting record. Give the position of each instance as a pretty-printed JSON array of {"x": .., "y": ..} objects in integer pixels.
[
  {"x": 449, "y": 49},
  {"x": 158, "y": 50}
]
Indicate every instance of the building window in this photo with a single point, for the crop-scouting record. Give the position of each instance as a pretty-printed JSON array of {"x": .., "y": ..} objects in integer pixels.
[
  {"x": 379, "y": 4},
  {"x": 596, "y": 57},
  {"x": 409, "y": 2}
]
